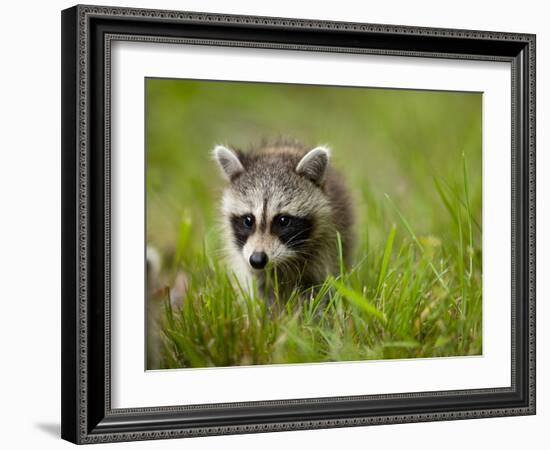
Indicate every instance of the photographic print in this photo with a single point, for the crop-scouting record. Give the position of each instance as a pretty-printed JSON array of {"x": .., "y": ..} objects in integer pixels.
[
  {"x": 293, "y": 223},
  {"x": 254, "y": 207}
]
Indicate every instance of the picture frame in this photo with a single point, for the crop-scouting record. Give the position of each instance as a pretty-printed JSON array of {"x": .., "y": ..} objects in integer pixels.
[{"x": 88, "y": 33}]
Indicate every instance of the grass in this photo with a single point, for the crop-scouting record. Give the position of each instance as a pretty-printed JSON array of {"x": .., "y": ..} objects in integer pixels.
[
  {"x": 417, "y": 299},
  {"x": 415, "y": 286}
]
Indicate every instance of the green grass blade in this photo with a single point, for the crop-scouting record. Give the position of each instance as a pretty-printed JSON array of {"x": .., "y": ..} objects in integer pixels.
[
  {"x": 461, "y": 201},
  {"x": 445, "y": 199},
  {"x": 386, "y": 258},
  {"x": 469, "y": 211},
  {"x": 417, "y": 242},
  {"x": 340, "y": 254},
  {"x": 358, "y": 300}
]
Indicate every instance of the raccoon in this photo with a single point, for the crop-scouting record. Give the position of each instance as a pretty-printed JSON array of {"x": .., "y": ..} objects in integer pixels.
[{"x": 282, "y": 209}]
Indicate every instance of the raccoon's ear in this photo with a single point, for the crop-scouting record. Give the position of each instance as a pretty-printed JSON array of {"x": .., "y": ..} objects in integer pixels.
[
  {"x": 314, "y": 164},
  {"x": 229, "y": 162}
]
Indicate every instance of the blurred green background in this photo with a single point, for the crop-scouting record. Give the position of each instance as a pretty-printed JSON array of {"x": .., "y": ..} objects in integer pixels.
[{"x": 385, "y": 141}]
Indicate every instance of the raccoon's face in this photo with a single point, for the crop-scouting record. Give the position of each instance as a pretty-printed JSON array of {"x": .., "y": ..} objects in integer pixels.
[{"x": 274, "y": 205}]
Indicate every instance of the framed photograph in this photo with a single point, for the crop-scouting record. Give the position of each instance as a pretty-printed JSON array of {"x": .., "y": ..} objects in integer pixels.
[{"x": 280, "y": 224}]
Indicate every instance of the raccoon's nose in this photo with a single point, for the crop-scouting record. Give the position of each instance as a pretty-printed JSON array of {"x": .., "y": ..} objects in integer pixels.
[{"x": 258, "y": 260}]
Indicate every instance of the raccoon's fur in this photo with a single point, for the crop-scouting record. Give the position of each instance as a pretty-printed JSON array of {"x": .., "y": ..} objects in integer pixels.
[{"x": 282, "y": 209}]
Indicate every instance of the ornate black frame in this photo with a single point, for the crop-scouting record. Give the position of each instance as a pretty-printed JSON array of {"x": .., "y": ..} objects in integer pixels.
[{"x": 87, "y": 32}]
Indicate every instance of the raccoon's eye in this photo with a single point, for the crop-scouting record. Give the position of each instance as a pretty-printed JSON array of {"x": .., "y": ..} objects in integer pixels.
[
  {"x": 248, "y": 221},
  {"x": 283, "y": 221}
]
